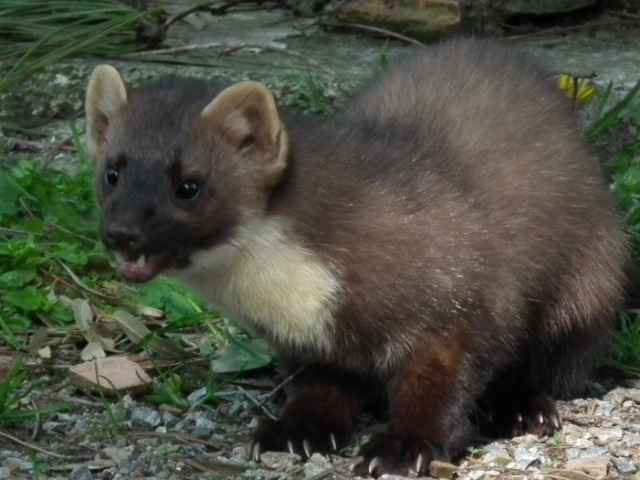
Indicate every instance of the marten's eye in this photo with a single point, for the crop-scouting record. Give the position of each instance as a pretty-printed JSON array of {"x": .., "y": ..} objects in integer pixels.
[
  {"x": 188, "y": 190},
  {"x": 111, "y": 176}
]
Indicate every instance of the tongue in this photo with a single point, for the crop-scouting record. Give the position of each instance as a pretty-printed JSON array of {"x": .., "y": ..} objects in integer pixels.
[{"x": 140, "y": 269}]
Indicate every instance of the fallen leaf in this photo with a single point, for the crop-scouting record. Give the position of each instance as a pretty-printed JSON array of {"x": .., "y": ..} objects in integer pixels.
[{"x": 110, "y": 375}]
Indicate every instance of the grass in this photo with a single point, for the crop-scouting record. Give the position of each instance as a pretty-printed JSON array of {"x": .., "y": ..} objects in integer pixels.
[
  {"x": 15, "y": 389},
  {"x": 58, "y": 290},
  {"x": 39, "y": 33}
]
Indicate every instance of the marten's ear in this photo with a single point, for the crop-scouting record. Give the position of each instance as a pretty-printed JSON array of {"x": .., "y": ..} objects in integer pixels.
[
  {"x": 247, "y": 116},
  {"x": 106, "y": 95}
]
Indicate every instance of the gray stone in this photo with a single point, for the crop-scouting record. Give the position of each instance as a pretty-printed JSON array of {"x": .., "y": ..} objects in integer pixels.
[
  {"x": 527, "y": 459},
  {"x": 630, "y": 440},
  {"x": 594, "y": 452},
  {"x": 609, "y": 435},
  {"x": 625, "y": 467},
  {"x": 145, "y": 417},
  {"x": 81, "y": 473},
  {"x": 316, "y": 465},
  {"x": 279, "y": 460},
  {"x": 205, "y": 428},
  {"x": 605, "y": 409},
  {"x": 496, "y": 454},
  {"x": 197, "y": 396},
  {"x": 169, "y": 420}
]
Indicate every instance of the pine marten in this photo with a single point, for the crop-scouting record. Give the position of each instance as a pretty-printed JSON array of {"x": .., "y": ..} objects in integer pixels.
[{"x": 446, "y": 244}]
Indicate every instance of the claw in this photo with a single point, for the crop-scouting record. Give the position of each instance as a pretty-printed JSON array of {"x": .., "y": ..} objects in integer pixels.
[
  {"x": 332, "y": 440},
  {"x": 540, "y": 419},
  {"x": 290, "y": 447},
  {"x": 256, "y": 452},
  {"x": 556, "y": 422},
  {"x": 419, "y": 462},
  {"x": 519, "y": 418},
  {"x": 307, "y": 448},
  {"x": 375, "y": 463}
]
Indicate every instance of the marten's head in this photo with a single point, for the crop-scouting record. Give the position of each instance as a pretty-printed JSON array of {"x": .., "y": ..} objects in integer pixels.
[{"x": 180, "y": 165}]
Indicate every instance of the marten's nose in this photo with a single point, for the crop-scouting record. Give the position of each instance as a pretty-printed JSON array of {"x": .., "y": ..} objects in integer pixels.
[{"x": 121, "y": 236}]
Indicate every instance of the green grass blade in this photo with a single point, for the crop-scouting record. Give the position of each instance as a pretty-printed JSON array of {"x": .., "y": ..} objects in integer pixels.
[{"x": 609, "y": 119}]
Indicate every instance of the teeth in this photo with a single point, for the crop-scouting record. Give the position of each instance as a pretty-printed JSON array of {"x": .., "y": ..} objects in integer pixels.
[
  {"x": 120, "y": 258},
  {"x": 142, "y": 261}
]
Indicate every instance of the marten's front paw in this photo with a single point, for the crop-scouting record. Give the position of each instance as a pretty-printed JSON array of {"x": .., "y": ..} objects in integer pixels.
[
  {"x": 390, "y": 453},
  {"x": 302, "y": 438},
  {"x": 538, "y": 415}
]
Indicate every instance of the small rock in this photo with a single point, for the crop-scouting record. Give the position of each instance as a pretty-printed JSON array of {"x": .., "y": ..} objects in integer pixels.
[
  {"x": 624, "y": 466},
  {"x": 496, "y": 454},
  {"x": 619, "y": 395},
  {"x": 630, "y": 440},
  {"x": 595, "y": 467},
  {"x": 81, "y": 473},
  {"x": 580, "y": 453},
  {"x": 5, "y": 473},
  {"x": 439, "y": 469},
  {"x": 609, "y": 435},
  {"x": 583, "y": 443},
  {"x": 526, "y": 440},
  {"x": 605, "y": 409},
  {"x": 145, "y": 417},
  {"x": 481, "y": 474},
  {"x": 526, "y": 458},
  {"x": 14, "y": 464},
  {"x": 197, "y": 396},
  {"x": 316, "y": 465},
  {"x": 204, "y": 428},
  {"x": 169, "y": 420},
  {"x": 279, "y": 460}
]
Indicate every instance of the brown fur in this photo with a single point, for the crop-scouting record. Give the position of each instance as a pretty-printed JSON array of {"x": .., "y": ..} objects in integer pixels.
[{"x": 446, "y": 243}]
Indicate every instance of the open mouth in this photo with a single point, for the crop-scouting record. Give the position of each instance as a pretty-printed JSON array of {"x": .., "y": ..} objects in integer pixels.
[{"x": 141, "y": 268}]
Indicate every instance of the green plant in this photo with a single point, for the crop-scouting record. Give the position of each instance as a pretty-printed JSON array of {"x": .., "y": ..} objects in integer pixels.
[
  {"x": 624, "y": 171},
  {"x": 307, "y": 93},
  {"x": 43, "y": 32},
  {"x": 625, "y": 354},
  {"x": 16, "y": 388},
  {"x": 48, "y": 221}
]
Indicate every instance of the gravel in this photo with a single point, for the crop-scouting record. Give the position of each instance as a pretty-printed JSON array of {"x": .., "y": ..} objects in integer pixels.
[{"x": 130, "y": 439}]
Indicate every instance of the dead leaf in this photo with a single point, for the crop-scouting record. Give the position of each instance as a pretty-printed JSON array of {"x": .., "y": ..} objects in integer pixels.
[
  {"x": 44, "y": 352},
  {"x": 92, "y": 351},
  {"x": 82, "y": 313},
  {"x": 112, "y": 374}
]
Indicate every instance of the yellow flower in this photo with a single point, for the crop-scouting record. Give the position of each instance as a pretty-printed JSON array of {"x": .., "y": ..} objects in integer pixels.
[{"x": 576, "y": 88}]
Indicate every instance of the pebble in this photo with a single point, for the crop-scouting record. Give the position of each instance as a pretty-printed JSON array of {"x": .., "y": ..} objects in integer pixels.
[
  {"x": 526, "y": 459},
  {"x": 143, "y": 417},
  {"x": 575, "y": 453},
  {"x": 496, "y": 454},
  {"x": 630, "y": 440},
  {"x": 279, "y": 460},
  {"x": 205, "y": 428},
  {"x": 625, "y": 467},
  {"x": 197, "y": 396},
  {"x": 316, "y": 465},
  {"x": 610, "y": 435},
  {"x": 81, "y": 473}
]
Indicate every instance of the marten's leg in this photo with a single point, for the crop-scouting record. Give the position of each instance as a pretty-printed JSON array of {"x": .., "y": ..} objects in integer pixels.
[{"x": 317, "y": 417}]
